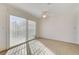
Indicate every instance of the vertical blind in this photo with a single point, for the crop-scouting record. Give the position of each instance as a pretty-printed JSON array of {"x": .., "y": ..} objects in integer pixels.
[{"x": 19, "y": 28}]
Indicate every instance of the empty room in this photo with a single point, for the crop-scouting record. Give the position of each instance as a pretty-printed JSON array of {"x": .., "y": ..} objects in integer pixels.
[{"x": 39, "y": 28}]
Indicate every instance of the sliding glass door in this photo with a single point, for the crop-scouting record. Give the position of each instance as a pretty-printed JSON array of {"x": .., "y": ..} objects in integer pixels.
[
  {"x": 18, "y": 28},
  {"x": 21, "y": 30},
  {"x": 31, "y": 29}
]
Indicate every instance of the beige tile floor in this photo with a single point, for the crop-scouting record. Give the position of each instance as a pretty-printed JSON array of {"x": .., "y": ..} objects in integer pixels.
[{"x": 61, "y": 48}]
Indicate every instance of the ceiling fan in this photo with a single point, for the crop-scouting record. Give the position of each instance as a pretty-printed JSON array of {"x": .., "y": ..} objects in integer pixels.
[{"x": 44, "y": 14}]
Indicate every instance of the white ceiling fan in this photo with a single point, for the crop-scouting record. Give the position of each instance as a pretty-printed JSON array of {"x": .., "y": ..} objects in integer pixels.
[{"x": 44, "y": 14}]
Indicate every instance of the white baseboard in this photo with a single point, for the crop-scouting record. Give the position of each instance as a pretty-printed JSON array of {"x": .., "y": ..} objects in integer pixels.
[{"x": 60, "y": 40}]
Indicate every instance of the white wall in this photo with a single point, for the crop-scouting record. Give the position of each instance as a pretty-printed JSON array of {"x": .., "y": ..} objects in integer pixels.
[
  {"x": 3, "y": 26},
  {"x": 60, "y": 25},
  {"x": 77, "y": 28}
]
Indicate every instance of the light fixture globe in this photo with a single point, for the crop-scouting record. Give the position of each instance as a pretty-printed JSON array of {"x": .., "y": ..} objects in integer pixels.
[{"x": 45, "y": 14}]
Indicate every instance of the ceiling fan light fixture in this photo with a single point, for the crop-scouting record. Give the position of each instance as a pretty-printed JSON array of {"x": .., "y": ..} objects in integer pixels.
[
  {"x": 45, "y": 12},
  {"x": 44, "y": 16}
]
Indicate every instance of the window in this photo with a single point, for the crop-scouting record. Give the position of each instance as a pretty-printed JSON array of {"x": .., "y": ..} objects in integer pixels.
[
  {"x": 17, "y": 30},
  {"x": 31, "y": 29}
]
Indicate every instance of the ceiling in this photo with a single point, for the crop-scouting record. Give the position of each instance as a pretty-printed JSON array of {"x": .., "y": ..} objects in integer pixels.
[{"x": 37, "y": 8}]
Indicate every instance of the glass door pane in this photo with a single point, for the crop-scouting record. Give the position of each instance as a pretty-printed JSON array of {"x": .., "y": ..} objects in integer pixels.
[
  {"x": 31, "y": 29},
  {"x": 17, "y": 30}
]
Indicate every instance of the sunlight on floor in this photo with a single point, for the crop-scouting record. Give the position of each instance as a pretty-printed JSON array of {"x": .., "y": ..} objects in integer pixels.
[{"x": 36, "y": 47}]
